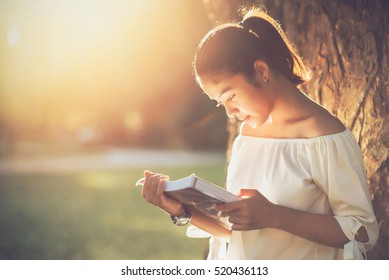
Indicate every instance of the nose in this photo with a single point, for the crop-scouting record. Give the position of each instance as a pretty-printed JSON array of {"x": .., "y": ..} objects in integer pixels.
[{"x": 231, "y": 111}]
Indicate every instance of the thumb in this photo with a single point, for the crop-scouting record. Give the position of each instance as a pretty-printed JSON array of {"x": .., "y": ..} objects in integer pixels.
[
  {"x": 147, "y": 172},
  {"x": 246, "y": 193}
]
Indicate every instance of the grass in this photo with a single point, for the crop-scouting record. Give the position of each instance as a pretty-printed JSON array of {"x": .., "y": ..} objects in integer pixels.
[{"x": 91, "y": 215}]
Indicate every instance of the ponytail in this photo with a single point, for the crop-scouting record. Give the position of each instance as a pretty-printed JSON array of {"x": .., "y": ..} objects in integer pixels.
[{"x": 232, "y": 48}]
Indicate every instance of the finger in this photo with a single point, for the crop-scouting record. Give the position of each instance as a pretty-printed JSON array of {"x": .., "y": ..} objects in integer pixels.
[
  {"x": 149, "y": 176},
  {"x": 228, "y": 206},
  {"x": 238, "y": 227},
  {"x": 154, "y": 177},
  {"x": 149, "y": 187},
  {"x": 157, "y": 177},
  {"x": 161, "y": 187},
  {"x": 232, "y": 213},
  {"x": 151, "y": 191},
  {"x": 246, "y": 193},
  {"x": 150, "y": 173},
  {"x": 147, "y": 179},
  {"x": 151, "y": 180},
  {"x": 236, "y": 220}
]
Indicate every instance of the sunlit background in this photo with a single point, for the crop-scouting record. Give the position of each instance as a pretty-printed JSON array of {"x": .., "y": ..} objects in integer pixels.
[
  {"x": 98, "y": 73},
  {"x": 93, "y": 92}
]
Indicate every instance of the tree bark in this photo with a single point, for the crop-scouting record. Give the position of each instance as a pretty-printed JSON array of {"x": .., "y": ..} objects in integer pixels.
[{"x": 345, "y": 43}]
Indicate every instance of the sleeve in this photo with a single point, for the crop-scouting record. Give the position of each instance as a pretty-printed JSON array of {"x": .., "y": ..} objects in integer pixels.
[
  {"x": 217, "y": 246},
  {"x": 195, "y": 232},
  {"x": 338, "y": 170}
]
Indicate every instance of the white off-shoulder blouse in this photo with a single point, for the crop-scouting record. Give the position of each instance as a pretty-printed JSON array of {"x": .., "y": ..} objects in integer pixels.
[{"x": 322, "y": 175}]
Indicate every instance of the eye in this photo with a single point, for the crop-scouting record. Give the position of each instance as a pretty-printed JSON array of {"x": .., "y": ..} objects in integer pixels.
[
  {"x": 221, "y": 103},
  {"x": 231, "y": 98}
]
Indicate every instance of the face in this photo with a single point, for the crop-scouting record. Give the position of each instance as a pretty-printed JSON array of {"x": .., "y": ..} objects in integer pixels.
[{"x": 241, "y": 99}]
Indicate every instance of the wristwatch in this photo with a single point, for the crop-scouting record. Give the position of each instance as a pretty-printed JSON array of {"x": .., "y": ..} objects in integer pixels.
[{"x": 182, "y": 220}]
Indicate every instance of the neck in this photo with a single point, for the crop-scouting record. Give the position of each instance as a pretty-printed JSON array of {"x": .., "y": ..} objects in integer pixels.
[{"x": 289, "y": 104}]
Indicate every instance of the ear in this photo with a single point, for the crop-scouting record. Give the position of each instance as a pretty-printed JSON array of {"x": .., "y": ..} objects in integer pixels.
[{"x": 261, "y": 69}]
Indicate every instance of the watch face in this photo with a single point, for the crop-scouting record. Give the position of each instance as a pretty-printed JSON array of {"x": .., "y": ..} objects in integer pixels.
[{"x": 182, "y": 221}]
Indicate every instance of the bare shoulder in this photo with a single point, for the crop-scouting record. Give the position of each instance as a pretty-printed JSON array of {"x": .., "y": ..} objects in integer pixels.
[
  {"x": 324, "y": 123},
  {"x": 319, "y": 123}
]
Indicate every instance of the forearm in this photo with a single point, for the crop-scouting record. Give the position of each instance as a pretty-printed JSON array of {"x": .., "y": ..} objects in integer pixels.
[
  {"x": 257, "y": 212},
  {"x": 204, "y": 223},
  {"x": 322, "y": 229}
]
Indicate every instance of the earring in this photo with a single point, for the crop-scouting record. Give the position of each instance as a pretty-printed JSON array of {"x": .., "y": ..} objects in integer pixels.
[{"x": 265, "y": 80}]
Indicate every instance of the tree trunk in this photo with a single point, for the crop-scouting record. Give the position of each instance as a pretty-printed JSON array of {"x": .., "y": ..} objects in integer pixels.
[{"x": 345, "y": 43}]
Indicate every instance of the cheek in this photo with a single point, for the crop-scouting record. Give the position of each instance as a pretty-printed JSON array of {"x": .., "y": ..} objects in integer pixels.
[
  {"x": 257, "y": 106},
  {"x": 263, "y": 105},
  {"x": 260, "y": 111}
]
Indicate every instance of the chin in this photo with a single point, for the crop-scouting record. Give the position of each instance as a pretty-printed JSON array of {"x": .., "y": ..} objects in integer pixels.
[
  {"x": 251, "y": 123},
  {"x": 255, "y": 123}
]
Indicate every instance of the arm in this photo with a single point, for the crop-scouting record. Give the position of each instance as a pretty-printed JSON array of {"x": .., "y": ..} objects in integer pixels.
[
  {"x": 153, "y": 193},
  {"x": 201, "y": 222},
  {"x": 322, "y": 229},
  {"x": 256, "y": 212}
]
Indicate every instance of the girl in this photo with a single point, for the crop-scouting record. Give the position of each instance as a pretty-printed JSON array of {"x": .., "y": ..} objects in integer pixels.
[{"x": 299, "y": 170}]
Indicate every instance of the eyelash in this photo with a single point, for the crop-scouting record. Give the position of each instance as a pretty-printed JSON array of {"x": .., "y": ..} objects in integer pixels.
[{"x": 228, "y": 99}]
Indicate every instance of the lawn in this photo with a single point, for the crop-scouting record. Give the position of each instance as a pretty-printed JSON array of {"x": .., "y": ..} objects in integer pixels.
[{"x": 92, "y": 215}]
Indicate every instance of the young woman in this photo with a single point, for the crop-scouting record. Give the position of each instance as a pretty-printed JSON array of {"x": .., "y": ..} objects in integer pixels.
[{"x": 299, "y": 170}]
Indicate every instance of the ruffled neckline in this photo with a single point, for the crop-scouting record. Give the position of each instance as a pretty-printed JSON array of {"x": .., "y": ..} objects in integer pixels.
[{"x": 313, "y": 139}]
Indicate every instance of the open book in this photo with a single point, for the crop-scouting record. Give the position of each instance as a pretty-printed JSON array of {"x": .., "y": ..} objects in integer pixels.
[{"x": 201, "y": 195}]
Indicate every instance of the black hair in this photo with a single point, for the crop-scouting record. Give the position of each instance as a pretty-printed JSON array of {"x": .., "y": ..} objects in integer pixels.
[{"x": 232, "y": 48}]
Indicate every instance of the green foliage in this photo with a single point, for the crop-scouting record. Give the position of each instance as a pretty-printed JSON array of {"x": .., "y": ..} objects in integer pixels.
[{"x": 96, "y": 215}]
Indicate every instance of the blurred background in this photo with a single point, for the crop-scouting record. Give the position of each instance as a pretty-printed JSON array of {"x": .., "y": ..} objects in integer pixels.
[
  {"x": 97, "y": 73},
  {"x": 93, "y": 92}
]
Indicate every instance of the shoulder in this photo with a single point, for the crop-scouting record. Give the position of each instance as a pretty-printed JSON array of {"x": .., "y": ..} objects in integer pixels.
[
  {"x": 316, "y": 121},
  {"x": 323, "y": 123},
  {"x": 319, "y": 123}
]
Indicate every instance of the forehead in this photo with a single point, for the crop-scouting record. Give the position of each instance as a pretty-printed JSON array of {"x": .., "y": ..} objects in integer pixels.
[{"x": 216, "y": 86}]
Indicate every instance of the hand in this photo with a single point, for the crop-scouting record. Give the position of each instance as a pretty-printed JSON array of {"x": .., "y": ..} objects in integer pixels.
[
  {"x": 254, "y": 211},
  {"x": 153, "y": 193}
]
